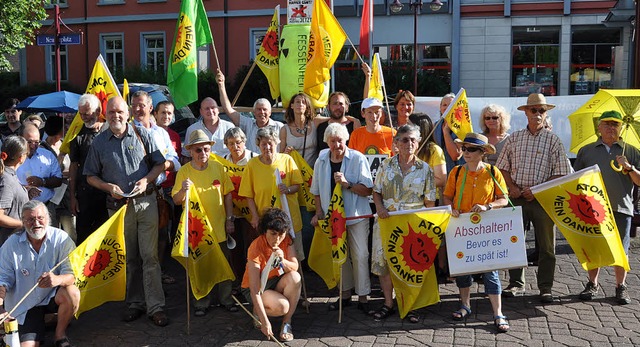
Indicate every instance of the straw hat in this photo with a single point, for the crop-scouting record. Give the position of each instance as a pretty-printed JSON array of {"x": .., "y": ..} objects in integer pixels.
[
  {"x": 198, "y": 137},
  {"x": 477, "y": 140},
  {"x": 536, "y": 100}
]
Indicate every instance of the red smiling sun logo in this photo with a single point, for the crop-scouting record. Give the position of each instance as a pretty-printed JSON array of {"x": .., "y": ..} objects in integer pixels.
[
  {"x": 196, "y": 231},
  {"x": 587, "y": 208},
  {"x": 418, "y": 251},
  {"x": 338, "y": 227},
  {"x": 459, "y": 113},
  {"x": 97, "y": 262}
]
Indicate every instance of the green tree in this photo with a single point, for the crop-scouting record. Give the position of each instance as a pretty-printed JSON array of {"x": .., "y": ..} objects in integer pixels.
[{"x": 19, "y": 21}]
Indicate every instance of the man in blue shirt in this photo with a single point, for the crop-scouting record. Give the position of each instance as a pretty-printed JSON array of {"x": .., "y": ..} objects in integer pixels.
[{"x": 26, "y": 259}]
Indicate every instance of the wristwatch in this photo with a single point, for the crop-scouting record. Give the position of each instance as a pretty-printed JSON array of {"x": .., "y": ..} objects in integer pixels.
[
  {"x": 489, "y": 206},
  {"x": 231, "y": 218},
  {"x": 349, "y": 186}
]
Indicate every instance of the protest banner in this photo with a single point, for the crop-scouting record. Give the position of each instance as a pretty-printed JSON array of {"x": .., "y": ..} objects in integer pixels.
[{"x": 487, "y": 241}]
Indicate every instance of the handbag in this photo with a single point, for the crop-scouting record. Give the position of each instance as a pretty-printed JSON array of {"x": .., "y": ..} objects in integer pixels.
[{"x": 164, "y": 210}]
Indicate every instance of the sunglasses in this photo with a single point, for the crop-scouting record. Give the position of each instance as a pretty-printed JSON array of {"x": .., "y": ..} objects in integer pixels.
[
  {"x": 494, "y": 118},
  {"x": 471, "y": 149},
  {"x": 203, "y": 149},
  {"x": 537, "y": 110}
]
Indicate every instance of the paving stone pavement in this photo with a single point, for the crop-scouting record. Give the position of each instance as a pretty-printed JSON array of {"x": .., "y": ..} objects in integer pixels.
[{"x": 566, "y": 322}]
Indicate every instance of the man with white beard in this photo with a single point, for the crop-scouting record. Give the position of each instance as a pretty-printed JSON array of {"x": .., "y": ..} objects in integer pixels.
[
  {"x": 87, "y": 203},
  {"x": 26, "y": 259}
]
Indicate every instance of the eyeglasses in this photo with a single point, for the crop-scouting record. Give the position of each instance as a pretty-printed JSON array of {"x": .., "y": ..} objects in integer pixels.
[
  {"x": 494, "y": 118},
  {"x": 471, "y": 149},
  {"x": 408, "y": 139},
  {"x": 34, "y": 142},
  {"x": 537, "y": 110},
  {"x": 32, "y": 220},
  {"x": 203, "y": 149}
]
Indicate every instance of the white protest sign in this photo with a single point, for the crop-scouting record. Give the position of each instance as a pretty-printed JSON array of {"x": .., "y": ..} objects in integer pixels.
[
  {"x": 487, "y": 241},
  {"x": 299, "y": 11}
]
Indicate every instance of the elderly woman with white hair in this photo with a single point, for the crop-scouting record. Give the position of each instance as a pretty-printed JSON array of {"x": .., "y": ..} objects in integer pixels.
[
  {"x": 259, "y": 187},
  {"x": 349, "y": 168},
  {"x": 494, "y": 122}
]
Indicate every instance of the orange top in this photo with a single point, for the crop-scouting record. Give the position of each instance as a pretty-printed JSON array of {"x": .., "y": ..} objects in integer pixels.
[
  {"x": 479, "y": 187},
  {"x": 259, "y": 252},
  {"x": 367, "y": 143}
]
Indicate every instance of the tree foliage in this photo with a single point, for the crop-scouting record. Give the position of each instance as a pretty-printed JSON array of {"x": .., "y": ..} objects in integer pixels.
[{"x": 19, "y": 21}]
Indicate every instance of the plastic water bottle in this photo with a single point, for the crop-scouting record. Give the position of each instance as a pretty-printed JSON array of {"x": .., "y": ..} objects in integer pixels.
[{"x": 11, "y": 337}]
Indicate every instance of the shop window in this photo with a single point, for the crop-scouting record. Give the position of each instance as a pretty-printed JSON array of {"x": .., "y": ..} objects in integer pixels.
[
  {"x": 593, "y": 55},
  {"x": 535, "y": 56}
]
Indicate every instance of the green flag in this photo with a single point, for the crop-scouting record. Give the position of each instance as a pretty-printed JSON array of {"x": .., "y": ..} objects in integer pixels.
[{"x": 192, "y": 31}]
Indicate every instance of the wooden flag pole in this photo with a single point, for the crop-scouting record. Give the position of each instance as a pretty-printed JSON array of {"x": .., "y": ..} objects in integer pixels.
[
  {"x": 255, "y": 319},
  {"x": 340, "y": 298},
  {"x": 186, "y": 270},
  {"x": 306, "y": 302},
  {"x": 30, "y": 291},
  {"x": 246, "y": 78}
]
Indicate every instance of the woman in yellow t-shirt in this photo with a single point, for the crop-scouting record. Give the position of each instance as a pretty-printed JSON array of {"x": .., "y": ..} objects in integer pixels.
[
  {"x": 259, "y": 182},
  {"x": 214, "y": 188}
]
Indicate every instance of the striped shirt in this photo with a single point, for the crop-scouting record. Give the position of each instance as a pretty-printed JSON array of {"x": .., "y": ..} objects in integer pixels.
[{"x": 532, "y": 159}]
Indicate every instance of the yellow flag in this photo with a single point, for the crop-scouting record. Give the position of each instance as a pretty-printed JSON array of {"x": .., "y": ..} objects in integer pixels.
[
  {"x": 99, "y": 264},
  {"x": 305, "y": 198},
  {"x": 235, "y": 172},
  {"x": 411, "y": 241},
  {"x": 102, "y": 85},
  {"x": 377, "y": 79},
  {"x": 267, "y": 58},
  {"x": 458, "y": 116},
  {"x": 579, "y": 205},
  {"x": 325, "y": 44},
  {"x": 329, "y": 245},
  {"x": 207, "y": 265},
  {"x": 125, "y": 91}
]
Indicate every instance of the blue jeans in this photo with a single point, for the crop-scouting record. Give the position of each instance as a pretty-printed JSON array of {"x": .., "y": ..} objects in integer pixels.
[{"x": 491, "y": 282}]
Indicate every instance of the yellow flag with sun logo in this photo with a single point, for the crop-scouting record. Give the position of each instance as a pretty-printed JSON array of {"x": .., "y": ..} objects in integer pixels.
[
  {"x": 411, "y": 240},
  {"x": 196, "y": 243},
  {"x": 329, "y": 245},
  {"x": 305, "y": 198},
  {"x": 99, "y": 264},
  {"x": 579, "y": 205},
  {"x": 458, "y": 115}
]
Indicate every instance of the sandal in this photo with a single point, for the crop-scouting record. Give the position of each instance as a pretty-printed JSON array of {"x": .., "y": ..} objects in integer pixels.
[
  {"x": 501, "y": 323},
  {"x": 384, "y": 312},
  {"x": 413, "y": 316},
  {"x": 462, "y": 314},
  {"x": 286, "y": 333},
  {"x": 63, "y": 342},
  {"x": 364, "y": 307}
]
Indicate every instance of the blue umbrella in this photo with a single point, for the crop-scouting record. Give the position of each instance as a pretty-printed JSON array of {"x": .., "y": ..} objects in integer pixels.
[{"x": 62, "y": 102}]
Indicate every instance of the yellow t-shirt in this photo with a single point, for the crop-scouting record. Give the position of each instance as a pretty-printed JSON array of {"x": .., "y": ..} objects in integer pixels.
[
  {"x": 258, "y": 184},
  {"x": 212, "y": 184}
]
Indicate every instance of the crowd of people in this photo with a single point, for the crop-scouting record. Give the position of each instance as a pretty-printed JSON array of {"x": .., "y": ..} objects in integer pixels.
[{"x": 51, "y": 201}]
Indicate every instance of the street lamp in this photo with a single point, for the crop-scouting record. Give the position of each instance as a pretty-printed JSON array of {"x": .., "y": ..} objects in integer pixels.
[{"x": 415, "y": 5}]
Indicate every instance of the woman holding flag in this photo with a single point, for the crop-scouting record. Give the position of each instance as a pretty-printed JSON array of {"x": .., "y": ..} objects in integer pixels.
[
  {"x": 404, "y": 182},
  {"x": 477, "y": 187},
  {"x": 350, "y": 169},
  {"x": 214, "y": 188},
  {"x": 272, "y": 282},
  {"x": 259, "y": 183}
]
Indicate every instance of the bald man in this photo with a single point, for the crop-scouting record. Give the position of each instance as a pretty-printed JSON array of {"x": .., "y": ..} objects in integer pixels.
[{"x": 212, "y": 125}]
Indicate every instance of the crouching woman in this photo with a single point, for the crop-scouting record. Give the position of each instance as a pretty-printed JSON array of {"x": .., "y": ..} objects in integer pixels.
[{"x": 273, "y": 250}]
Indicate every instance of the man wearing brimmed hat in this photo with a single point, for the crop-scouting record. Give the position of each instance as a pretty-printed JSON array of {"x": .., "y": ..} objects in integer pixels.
[
  {"x": 122, "y": 160},
  {"x": 530, "y": 157},
  {"x": 214, "y": 187},
  {"x": 607, "y": 151},
  {"x": 372, "y": 138}
]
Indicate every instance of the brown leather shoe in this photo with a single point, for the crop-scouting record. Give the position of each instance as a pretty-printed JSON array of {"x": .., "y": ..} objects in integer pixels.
[
  {"x": 131, "y": 314},
  {"x": 160, "y": 319}
]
